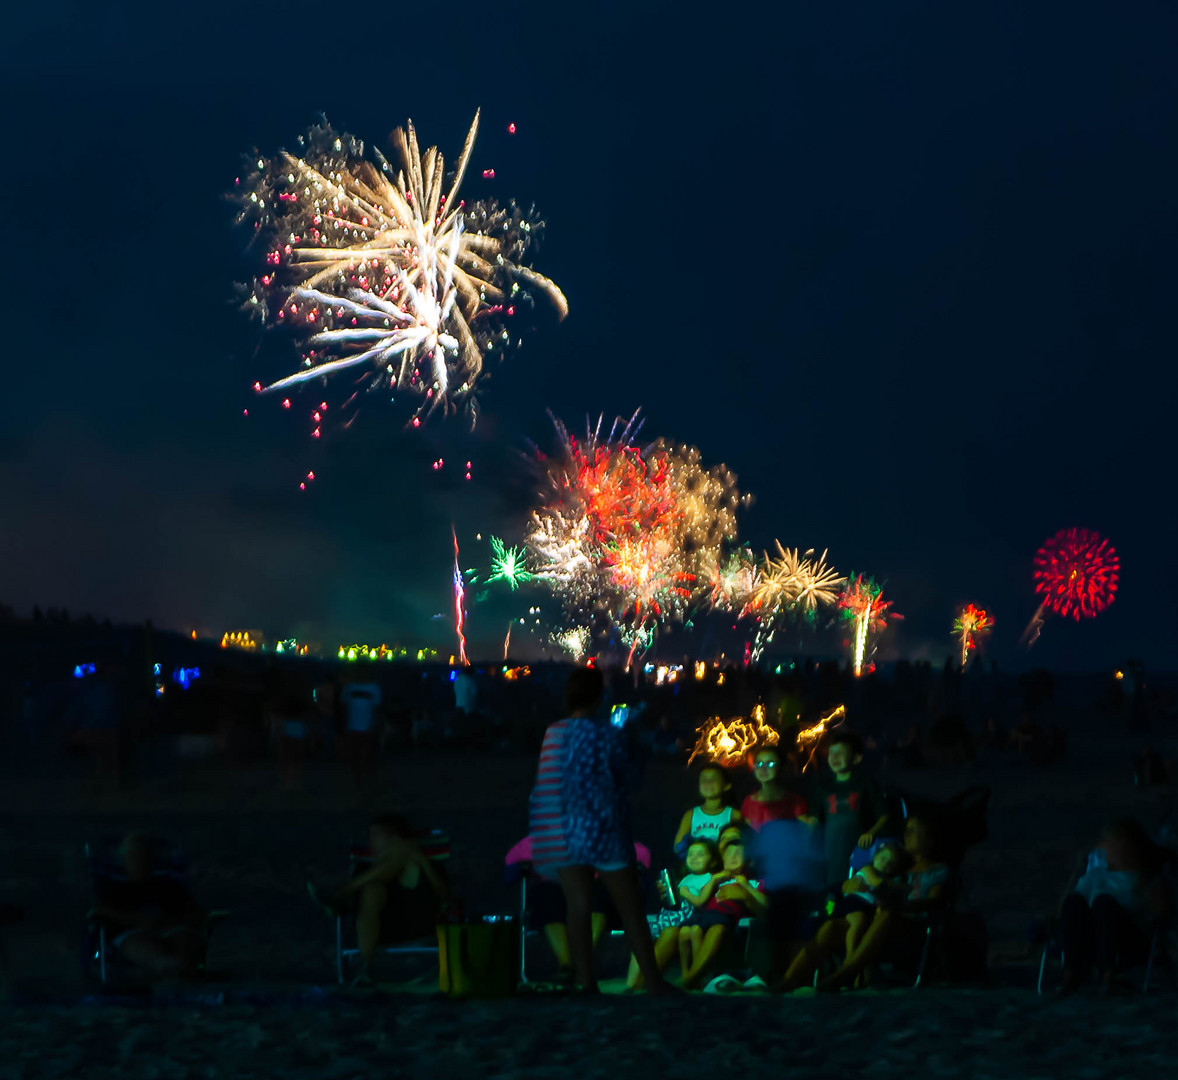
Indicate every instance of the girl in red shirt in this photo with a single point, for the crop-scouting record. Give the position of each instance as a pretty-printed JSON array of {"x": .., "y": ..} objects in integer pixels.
[{"x": 773, "y": 801}]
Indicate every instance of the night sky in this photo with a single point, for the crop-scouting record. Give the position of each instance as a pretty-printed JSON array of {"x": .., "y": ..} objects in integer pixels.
[{"x": 908, "y": 269}]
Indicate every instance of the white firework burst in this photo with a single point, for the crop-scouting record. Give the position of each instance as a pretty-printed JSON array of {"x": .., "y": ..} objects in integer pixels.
[{"x": 384, "y": 269}]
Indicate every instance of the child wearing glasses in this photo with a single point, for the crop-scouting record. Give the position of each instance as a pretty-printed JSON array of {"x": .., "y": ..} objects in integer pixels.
[{"x": 773, "y": 800}]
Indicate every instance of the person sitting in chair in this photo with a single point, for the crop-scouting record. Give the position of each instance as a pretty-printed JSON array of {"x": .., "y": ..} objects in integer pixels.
[
  {"x": 156, "y": 923},
  {"x": 398, "y": 898}
]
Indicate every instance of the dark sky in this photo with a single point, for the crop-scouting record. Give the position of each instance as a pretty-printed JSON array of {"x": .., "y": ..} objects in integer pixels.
[{"x": 908, "y": 269}]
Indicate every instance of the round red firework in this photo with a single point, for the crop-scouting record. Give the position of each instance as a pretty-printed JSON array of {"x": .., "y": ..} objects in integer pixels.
[{"x": 1076, "y": 573}]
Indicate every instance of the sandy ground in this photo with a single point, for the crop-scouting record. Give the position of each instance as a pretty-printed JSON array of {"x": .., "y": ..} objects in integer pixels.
[
  {"x": 253, "y": 843},
  {"x": 962, "y": 1033}
]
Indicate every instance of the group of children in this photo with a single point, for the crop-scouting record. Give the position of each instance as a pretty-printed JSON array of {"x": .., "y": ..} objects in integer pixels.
[{"x": 718, "y": 887}]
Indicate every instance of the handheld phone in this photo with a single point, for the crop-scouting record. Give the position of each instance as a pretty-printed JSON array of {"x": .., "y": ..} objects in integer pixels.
[{"x": 619, "y": 714}]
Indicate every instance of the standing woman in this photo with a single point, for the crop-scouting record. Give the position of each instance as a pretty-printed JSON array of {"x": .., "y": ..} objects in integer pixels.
[{"x": 580, "y": 826}]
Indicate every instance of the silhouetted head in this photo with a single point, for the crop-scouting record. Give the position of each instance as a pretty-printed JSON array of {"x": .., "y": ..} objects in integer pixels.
[
  {"x": 1127, "y": 846},
  {"x": 136, "y": 854},
  {"x": 921, "y": 837},
  {"x": 388, "y": 830},
  {"x": 584, "y": 691},
  {"x": 844, "y": 750}
]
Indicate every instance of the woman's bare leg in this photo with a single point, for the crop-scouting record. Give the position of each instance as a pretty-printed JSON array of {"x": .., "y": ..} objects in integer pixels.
[
  {"x": 686, "y": 947},
  {"x": 577, "y": 883},
  {"x": 879, "y": 935},
  {"x": 856, "y": 924},
  {"x": 832, "y": 933},
  {"x": 707, "y": 952},
  {"x": 665, "y": 950},
  {"x": 558, "y": 939},
  {"x": 625, "y": 892},
  {"x": 373, "y": 898}
]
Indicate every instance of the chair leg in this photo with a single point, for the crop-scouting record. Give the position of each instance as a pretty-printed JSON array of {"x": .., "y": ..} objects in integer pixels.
[
  {"x": 1153, "y": 950},
  {"x": 339, "y": 948},
  {"x": 924, "y": 951},
  {"x": 1042, "y": 968},
  {"x": 102, "y": 955},
  {"x": 523, "y": 932}
]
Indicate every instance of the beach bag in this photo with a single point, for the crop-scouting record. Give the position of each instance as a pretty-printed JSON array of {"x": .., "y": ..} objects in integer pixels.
[{"x": 479, "y": 958}]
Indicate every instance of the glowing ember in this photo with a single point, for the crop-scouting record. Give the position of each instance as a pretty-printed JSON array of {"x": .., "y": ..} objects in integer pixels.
[
  {"x": 812, "y": 736},
  {"x": 726, "y": 742}
]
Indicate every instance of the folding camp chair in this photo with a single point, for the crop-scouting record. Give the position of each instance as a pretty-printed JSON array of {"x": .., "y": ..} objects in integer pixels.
[
  {"x": 435, "y": 845},
  {"x": 105, "y": 868},
  {"x": 1157, "y": 941}
]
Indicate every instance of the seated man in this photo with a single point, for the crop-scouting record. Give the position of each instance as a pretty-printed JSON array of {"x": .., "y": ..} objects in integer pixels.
[
  {"x": 398, "y": 898},
  {"x": 155, "y": 922}
]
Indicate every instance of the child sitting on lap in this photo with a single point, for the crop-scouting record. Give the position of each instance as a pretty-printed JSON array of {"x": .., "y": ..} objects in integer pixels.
[
  {"x": 860, "y": 892},
  {"x": 694, "y": 888},
  {"x": 728, "y": 897}
]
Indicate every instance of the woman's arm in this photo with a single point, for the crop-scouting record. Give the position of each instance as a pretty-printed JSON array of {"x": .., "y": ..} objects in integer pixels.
[
  {"x": 761, "y": 898},
  {"x": 928, "y": 903},
  {"x": 1073, "y": 881},
  {"x": 868, "y": 838},
  {"x": 854, "y": 884},
  {"x": 872, "y": 876},
  {"x": 684, "y": 831}
]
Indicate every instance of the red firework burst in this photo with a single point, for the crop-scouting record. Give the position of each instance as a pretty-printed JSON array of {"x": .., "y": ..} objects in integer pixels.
[{"x": 1076, "y": 573}]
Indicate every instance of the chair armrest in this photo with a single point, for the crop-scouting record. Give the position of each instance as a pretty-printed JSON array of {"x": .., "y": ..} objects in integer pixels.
[{"x": 513, "y": 873}]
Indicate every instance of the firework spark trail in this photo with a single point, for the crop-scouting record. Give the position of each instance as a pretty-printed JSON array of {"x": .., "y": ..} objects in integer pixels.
[
  {"x": 861, "y": 624},
  {"x": 971, "y": 623},
  {"x": 862, "y": 604},
  {"x": 383, "y": 268},
  {"x": 459, "y": 604},
  {"x": 633, "y": 532}
]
